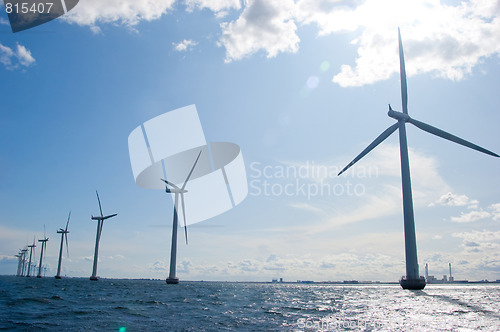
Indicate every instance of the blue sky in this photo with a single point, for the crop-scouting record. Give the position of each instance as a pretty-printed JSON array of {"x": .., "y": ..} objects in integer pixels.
[{"x": 302, "y": 86}]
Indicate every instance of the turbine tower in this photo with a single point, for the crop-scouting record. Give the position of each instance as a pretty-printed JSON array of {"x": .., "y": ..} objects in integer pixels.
[
  {"x": 44, "y": 245},
  {"x": 172, "y": 279},
  {"x": 64, "y": 236},
  {"x": 32, "y": 247},
  {"x": 100, "y": 222},
  {"x": 412, "y": 279}
]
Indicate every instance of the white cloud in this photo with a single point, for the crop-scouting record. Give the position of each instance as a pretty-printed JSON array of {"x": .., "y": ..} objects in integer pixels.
[
  {"x": 126, "y": 12},
  {"x": 477, "y": 241},
  {"x": 263, "y": 25},
  {"x": 496, "y": 211},
  {"x": 220, "y": 7},
  {"x": 11, "y": 59},
  {"x": 477, "y": 213},
  {"x": 6, "y": 55},
  {"x": 158, "y": 266},
  {"x": 24, "y": 56},
  {"x": 307, "y": 207},
  {"x": 292, "y": 267},
  {"x": 441, "y": 39},
  {"x": 450, "y": 199},
  {"x": 184, "y": 45},
  {"x": 117, "y": 256},
  {"x": 184, "y": 266},
  {"x": 445, "y": 40},
  {"x": 471, "y": 216}
]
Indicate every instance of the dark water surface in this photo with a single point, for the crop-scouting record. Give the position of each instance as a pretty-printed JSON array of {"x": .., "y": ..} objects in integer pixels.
[{"x": 79, "y": 304}]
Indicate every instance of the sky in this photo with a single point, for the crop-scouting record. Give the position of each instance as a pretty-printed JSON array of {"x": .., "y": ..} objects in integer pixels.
[{"x": 302, "y": 87}]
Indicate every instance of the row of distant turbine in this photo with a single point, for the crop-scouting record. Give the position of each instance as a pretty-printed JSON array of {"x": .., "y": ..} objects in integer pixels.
[
  {"x": 24, "y": 265},
  {"x": 24, "y": 269}
]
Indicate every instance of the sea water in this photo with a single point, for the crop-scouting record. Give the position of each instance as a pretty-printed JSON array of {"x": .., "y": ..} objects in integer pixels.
[{"x": 78, "y": 304}]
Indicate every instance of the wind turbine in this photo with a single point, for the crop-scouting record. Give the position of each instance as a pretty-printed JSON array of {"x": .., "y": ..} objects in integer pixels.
[
  {"x": 32, "y": 247},
  {"x": 64, "y": 235},
  {"x": 23, "y": 261},
  {"x": 412, "y": 279},
  {"x": 172, "y": 279},
  {"x": 44, "y": 245},
  {"x": 100, "y": 222},
  {"x": 19, "y": 257}
]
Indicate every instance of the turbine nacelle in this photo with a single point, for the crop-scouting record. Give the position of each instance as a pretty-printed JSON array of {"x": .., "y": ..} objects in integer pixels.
[
  {"x": 175, "y": 190},
  {"x": 398, "y": 115}
]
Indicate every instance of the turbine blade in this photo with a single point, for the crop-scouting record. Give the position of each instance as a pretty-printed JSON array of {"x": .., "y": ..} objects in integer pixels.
[
  {"x": 67, "y": 223},
  {"x": 402, "y": 73},
  {"x": 191, "y": 172},
  {"x": 99, "y": 200},
  {"x": 443, "y": 134},
  {"x": 184, "y": 216},
  {"x": 370, "y": 147},
  {"x": 110, "y": 216},
  {"x": 170, "y": 183}
]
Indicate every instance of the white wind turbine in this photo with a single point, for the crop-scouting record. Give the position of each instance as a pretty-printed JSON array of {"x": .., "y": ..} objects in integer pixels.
[
  {"x": 412, "y": 279},
  {"x": 44, "y": 245},
  {"x": 172, "y": 279},
  {"x": 19, "y": 257},
  {"x": 64, "y": 236},
  {"x": 100, "y": 222},
  {"x": 23, "y": 268},
  {"x": 32, "y": 247}
]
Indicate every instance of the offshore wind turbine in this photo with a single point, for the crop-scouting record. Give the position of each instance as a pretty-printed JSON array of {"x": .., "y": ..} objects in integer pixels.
[
  {"x": 19, "y": 257},
  {"x": 44, "y": 245},
  {"x": 172, "y": 279},
  {"x": 32, "y": 247},
  {"x": 23, "y": 261},
  {"x": 412, "y": 279},
  {"x": 64, "y": 235},
  {"x": 100, "y": 221}
]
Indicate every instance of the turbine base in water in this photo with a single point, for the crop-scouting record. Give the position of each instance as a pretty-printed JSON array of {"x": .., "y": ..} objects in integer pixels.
[
  {"x": 94, "y": 278},
  {"x": 172, "y": 281},
  {"x": 413, "y": 284},
  {"x": 58, "y": 277}
]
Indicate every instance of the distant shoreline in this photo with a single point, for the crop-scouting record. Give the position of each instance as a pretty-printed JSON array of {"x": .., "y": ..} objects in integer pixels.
[{"x": 298, "y": 282}]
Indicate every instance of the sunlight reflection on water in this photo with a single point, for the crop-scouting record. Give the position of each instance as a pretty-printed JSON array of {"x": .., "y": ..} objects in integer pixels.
[{"x": 111, "y": 304}]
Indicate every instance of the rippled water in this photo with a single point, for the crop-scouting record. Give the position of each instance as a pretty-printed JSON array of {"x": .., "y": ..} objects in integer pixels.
[{"x": 132, "y": 305}]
